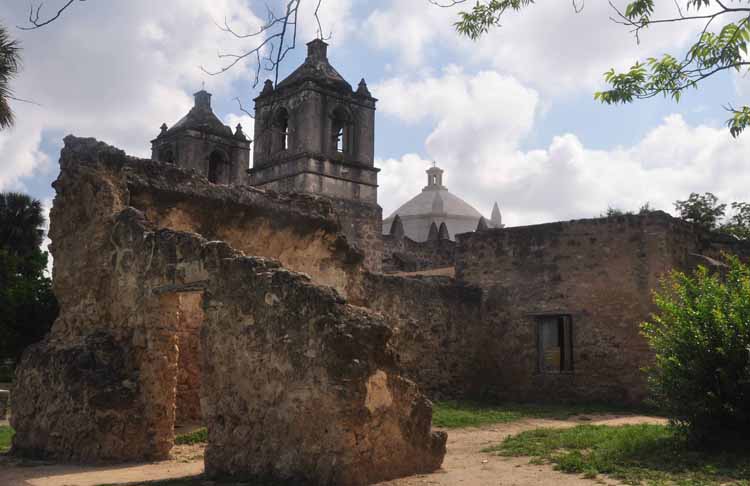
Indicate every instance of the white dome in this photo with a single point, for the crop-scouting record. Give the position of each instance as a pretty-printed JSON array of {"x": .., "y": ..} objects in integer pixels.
[{"x": 434, "y": 204}]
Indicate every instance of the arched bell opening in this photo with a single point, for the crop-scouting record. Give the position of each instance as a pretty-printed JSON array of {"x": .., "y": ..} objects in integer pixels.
[{"x": 218, "y": 168}]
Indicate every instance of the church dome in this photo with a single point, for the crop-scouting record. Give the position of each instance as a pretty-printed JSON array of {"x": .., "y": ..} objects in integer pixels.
[
  {"x": 423, "y": 204},
  {"x": 434, "y": 204}
]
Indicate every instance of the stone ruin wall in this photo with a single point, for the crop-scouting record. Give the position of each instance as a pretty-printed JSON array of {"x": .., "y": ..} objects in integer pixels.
[
  {"x": 402, "y": 254},
  {"x": 110, "y": 382},
  {"x": 600, "y": 272},
  {"x": 362, "y": 224},
  {"x": 324, "y": 393},
  {"x": 437, "y": 330}
]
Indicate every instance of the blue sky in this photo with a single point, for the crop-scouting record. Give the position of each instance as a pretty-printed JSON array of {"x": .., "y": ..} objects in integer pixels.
[{"x": 510, "y": 118}]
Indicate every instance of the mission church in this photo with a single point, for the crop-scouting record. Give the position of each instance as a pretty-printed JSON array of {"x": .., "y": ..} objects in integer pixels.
[
  {"x": 568, "y": 294},
  {"x": 255, "y": 298},
  {"x": 315, "y": 134}
]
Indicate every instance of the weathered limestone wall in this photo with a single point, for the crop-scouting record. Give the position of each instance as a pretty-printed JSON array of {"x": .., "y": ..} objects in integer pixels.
[
  {"x": 598, "y": 272},
  {"x": 186, "y": 310},
  {"x": 438, "y": 332},
  {"x": 96, "y": 280},
  {"x": 101, "y": 386},
  {"x": 119, "y": 367},
  {"x": 301, "y": 231},
  {"x": 304, "y": 388},
  {"x": 406, "y": 255},
  {"x": 362, "y": 225}
]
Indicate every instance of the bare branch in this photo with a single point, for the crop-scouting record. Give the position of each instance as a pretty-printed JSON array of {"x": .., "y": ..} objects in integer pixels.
[
  {"x": 242, "y": 108},
  {"x": 35, "y": 15},
  {"x": 278, "y": 37}
]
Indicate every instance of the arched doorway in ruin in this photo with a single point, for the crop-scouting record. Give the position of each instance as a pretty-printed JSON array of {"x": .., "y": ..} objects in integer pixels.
[{"x": 218, "y": 167}]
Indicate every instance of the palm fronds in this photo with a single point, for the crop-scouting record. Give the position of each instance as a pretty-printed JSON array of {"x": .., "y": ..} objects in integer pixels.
[{"x": 9, "y": 65}]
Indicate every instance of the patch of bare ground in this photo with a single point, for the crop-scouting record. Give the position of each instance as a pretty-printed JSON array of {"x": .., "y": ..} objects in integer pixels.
[
  {"x": 464, "y": 464},
  {"x": 185, "y": 461}
]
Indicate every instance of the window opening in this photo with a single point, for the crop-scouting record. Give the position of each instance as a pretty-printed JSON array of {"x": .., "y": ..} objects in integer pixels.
[
  {"x": 340, "y": 139},
  {"x": 555, "y": 344},
  {"x": 284, "y": 129},
  {"x": 341, "y": 131},
  {"x": 216, "y": 165},
  {"x": 167, "y": 156},
  {"x": 281, "y": 131}
]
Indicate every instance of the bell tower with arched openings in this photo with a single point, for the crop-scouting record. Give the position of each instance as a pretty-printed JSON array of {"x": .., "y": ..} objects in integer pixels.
[
  {"x": 315, "y": 134},
  {"x": 200, "y": 141}
]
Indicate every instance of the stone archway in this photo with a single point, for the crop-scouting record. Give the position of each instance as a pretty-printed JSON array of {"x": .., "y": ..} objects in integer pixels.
[{"x": 218, "y": 168}]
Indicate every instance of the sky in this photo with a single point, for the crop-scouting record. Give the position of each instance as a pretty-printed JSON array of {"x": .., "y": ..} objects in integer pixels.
[{"x": 510, "y": 118}]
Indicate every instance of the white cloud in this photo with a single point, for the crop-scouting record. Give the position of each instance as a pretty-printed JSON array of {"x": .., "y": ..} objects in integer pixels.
[
  {"x": 20, "y": 148},
  {"x": 547, "y": 45},
  {"x": 410, "y": 29},
  {"x": 46, "y": 207},
  {"x": 335, "y": 19},
  {"x": 478, "y": 146},
  {"x": 116, "y": 71}
]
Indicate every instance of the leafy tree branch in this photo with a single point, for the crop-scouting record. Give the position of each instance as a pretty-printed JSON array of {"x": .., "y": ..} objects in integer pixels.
[{"x": 721, "y": 45}]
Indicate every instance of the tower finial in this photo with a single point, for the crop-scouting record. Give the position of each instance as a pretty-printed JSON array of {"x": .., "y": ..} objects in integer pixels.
[
  {"x": 434, "y": 178},
  {"x": 496, "y": 219}
]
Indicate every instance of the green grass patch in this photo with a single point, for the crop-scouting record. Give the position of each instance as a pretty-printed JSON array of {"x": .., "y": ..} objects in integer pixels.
[
  {"x": 634, "y": 454},
  {"x": 457, "y": 414},
  {"x": 199, "y": 436},
  {"x": 6, "y": 435}
]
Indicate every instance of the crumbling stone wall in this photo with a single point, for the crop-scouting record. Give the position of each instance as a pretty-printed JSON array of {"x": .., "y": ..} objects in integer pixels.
[
  {"x": 402, "y": 254},
  {"x": 304, "y": 387},
  {"x": 438, "y": 330},
  {"x": 186, "y": 310},
  {"x": 362, "y": 225},
  {"x": 301, "y": 231},
  {"x": 599, "y": 273},
  {"x": 119, "y": 367}
]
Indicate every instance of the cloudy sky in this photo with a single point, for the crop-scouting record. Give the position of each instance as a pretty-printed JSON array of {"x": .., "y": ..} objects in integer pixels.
[{"x": 511, "y": 118}]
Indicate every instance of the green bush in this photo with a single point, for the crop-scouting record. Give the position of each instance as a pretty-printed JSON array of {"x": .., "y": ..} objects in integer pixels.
[
  {"x": 199, "y": 436},
  {"x": 701, "y": 337}
]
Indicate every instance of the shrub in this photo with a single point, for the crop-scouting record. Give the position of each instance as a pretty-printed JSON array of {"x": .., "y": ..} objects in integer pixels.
[
  {"x": 701, "y": 338},
  {"x": 199, "y": 436}
]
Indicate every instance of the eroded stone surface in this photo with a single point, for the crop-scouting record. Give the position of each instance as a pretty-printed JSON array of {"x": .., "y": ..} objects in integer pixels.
[
  {"x": 303, "y": 387},
  {"x": 294, "y": 382}
]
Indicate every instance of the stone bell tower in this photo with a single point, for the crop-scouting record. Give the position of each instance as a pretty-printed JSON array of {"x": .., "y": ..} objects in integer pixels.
[
  {"x": 315, "y": 134},
  {"x": 200, "y": 141}
]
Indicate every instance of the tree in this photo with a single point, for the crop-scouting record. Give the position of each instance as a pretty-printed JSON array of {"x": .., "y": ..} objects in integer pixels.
[
  {"x": 703, "y": 210},
  {"x": 701, "y": 340},
  {"x": 28, "y": 308},
  {"x": 27, "y": 305},
  {"x": 738, "y": 224},
  {"x": 21, "y": 222},
  {"x": 721, "y": 45},
  {"x": 9, "y": 64}
]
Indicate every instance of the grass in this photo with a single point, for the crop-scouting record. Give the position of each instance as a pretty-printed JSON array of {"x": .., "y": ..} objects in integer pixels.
[
  {"x": 199, "y": 436},
  {"x": 458, "y": 414},
  {"x": 6, "y": 435},
  {"x": 635, "y": 454}
]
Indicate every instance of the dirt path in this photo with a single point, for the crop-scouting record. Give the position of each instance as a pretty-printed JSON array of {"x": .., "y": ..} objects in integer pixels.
[{"x": 464, "y": 464}]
